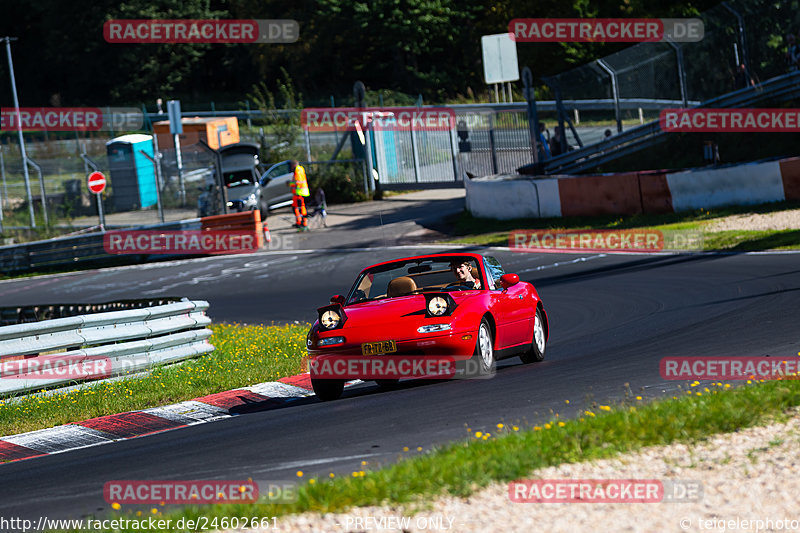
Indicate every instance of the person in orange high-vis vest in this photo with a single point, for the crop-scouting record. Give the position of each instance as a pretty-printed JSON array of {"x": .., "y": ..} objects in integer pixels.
[{"x": 299, "y": 186}]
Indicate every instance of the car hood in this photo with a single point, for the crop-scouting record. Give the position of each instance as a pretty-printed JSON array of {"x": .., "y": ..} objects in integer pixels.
[
  {"x": 404, "y": 313},
  {"x": 240, "y": 192}
]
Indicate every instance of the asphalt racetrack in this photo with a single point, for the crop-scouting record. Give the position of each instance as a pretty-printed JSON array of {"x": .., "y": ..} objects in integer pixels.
[{"x": 612, "y": 318}]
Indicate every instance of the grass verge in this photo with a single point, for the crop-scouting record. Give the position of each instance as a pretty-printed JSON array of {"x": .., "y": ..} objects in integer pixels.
[
  {"x": 489, "y": 232},
  {"x": 512, "y": 453},
  {"x": 244, "y": 355}
]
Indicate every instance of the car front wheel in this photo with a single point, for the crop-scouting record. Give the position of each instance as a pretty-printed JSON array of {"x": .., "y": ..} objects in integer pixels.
[
  {"x": 536, "y": 351},
  {"x": 327, "y": 389},
  {"x": 484, "y": 348}
]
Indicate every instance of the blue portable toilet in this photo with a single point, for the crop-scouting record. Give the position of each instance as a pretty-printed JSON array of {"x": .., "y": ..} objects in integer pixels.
[{"x": 132, "y": 176}]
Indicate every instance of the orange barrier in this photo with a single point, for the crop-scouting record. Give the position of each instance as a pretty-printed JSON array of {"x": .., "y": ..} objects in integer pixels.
[
  {"x": 656, "y": 197},
  {"x": 612, "y": 194},
  {"x": 245, "y": 221},
  {"x": 790, "y": 174}
]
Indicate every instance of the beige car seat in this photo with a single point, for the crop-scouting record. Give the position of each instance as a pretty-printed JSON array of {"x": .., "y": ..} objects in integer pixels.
[{"x": 400, "y": 287}]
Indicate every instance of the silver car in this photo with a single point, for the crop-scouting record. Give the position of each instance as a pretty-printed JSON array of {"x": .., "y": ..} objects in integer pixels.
[{"x": 275, "y": 190}]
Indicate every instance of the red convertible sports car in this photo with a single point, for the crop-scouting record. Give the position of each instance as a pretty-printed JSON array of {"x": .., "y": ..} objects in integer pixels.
[{"x": 421, "y": 309}]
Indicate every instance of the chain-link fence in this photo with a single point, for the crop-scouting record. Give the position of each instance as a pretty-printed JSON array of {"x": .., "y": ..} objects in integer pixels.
[{"x": 748, "y": 33}]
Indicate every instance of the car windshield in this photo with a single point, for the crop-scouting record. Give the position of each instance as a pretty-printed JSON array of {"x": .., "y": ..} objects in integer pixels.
[{"x": 413, "y": 277}]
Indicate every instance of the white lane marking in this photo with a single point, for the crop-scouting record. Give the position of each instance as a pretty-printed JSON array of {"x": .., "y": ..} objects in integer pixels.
[
  {"x": 225, "y": 273},
  {"x": 561, "y": 263},
  {"x": 295, "y": 464}
]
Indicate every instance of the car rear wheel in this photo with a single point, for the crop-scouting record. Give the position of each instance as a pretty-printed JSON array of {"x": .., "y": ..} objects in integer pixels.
[
  {"x": 484, "y": 348},
  {"x": 327, "y": 389},
  {"x": 536, "y": 352}
]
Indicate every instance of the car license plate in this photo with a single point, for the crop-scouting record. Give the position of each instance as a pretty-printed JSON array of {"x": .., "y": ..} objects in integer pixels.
[{"x": 378, "y": 348}]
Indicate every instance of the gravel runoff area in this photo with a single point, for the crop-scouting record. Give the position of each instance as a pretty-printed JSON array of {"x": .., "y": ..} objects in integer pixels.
[
  {"x": 779, "y": 220},
  {"x": 744, "y": 477}
]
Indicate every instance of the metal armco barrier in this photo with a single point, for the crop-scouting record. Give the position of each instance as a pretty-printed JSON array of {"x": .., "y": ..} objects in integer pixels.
[
  {"x": 85, "y": 250},
  {"x": 33, "y": 313},
  {"x": 123, "y": 341}
]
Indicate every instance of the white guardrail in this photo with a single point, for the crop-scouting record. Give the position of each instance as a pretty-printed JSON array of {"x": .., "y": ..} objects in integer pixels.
[{"x": 101, "y": 345}]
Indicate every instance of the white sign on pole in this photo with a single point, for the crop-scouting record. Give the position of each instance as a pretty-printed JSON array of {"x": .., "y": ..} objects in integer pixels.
[{"x": 499, "y": 58}]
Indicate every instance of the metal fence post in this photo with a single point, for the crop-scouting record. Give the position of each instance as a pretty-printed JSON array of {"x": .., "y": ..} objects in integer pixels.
[
  {"x": 454, "y": 152},
  {"x": 38, "y": 168},
  {"x": 742, "y": 39},
  {"x": 157, "y": 176},
  {"x": 615, "y": 89},
  {"x": 533, "y": 115},
  {"x": 3, "y": 173},
  {"x": 492, "y": 143},
  {"x": 415, "y": 155},
  {"x": 681, "y": 71},
  {"x": 19, "y": 130}
]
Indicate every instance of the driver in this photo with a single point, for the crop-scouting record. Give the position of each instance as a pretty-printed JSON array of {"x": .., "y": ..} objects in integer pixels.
[{"x": 463, "y": 272}]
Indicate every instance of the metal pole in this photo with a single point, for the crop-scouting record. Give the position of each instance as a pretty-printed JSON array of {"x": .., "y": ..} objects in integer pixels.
[
  {"x": 615, "y": 89},
  {"x": 3, "y": 173},
  {"x": 2, "y": 197},
  {"x": 223, "y": 193},
  {"x": 154, "y": 160},
  {"x": 308, "y": 144},
  {"x": 100, "y": 212},
  {"x": 335, "y": 128},
  {"x": 19, "y": 130},
  {"x": 179, "y": 160},
  {"x": 415, "y": 154},
  {"x": 533, "y": 115},
  {"x": 743, "y": 39},
  {"x": 681, "y": 72},
  {"x": 87, "y": 163},
  {"x": 491, "y": 143},
  {"x": 38, "y": 168},
  {"x": 454, "y": 152}
]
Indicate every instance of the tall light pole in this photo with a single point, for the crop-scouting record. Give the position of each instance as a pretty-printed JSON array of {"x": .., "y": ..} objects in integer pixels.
[{"x": 19, "y": 129}]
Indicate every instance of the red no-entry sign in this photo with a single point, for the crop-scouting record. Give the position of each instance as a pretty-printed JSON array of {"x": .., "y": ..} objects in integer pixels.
[{"x": 97, "y": 182}]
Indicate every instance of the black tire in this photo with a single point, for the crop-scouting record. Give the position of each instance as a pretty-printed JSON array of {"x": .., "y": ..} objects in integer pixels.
[
  {"x": 483, "y": 356},
  {"x": 328, "y": 389},
  {"x": 387, "y": 384},
  {"x": 535, "y": 353}
]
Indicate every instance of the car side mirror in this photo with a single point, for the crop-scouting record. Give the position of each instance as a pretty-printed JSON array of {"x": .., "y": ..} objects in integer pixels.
[
  {"x": 337, "y": 299},
  {"x": 508, "y": 280}
]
